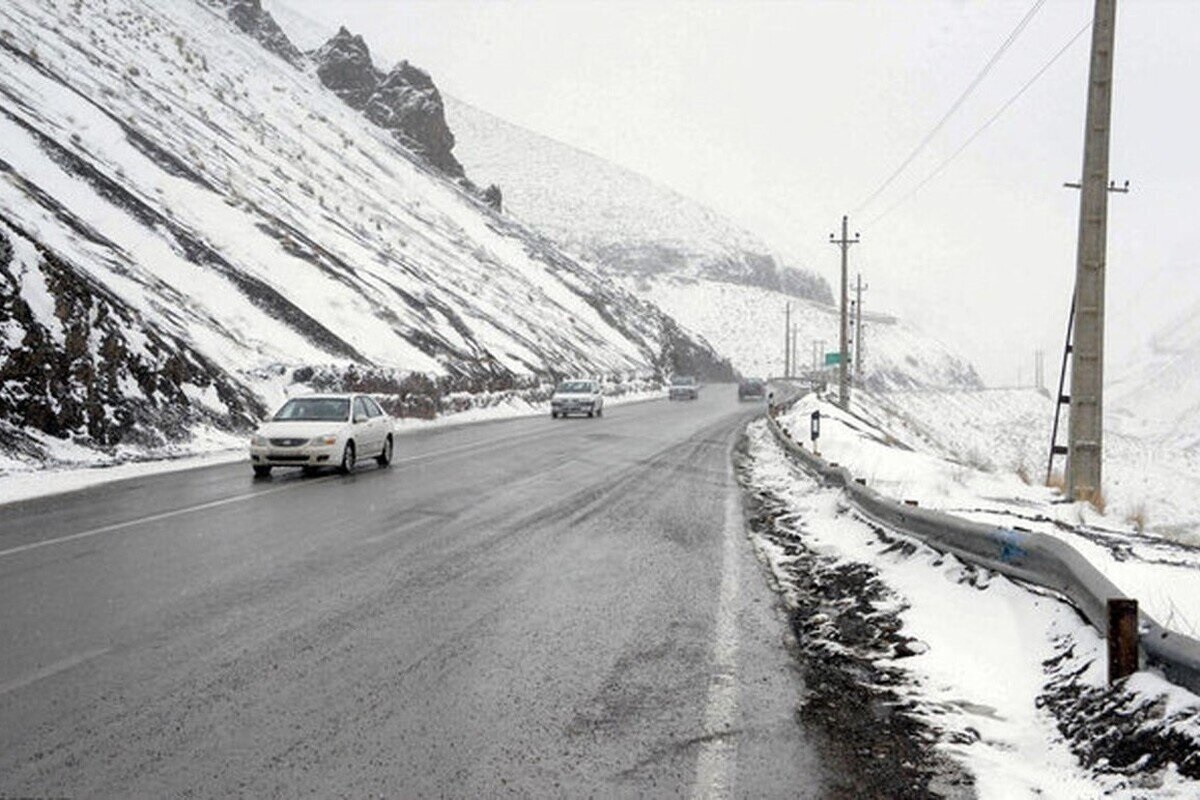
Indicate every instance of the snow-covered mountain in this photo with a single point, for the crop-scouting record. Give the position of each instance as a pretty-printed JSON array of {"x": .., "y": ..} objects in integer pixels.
[
  {"x": 612, "y": 215},
  {"x": 1154, "y": 392},
  {"x": 188, "y": 216},
  {"x": 714, "y": 277}
]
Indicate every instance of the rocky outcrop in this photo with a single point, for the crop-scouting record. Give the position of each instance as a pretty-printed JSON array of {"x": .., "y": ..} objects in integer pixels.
[
  {"x": 78, "y": 363},
  {"x": 404, "y": 101},
  {"x": 250, "y": 18},
  {"x": 344, "y": 67}
]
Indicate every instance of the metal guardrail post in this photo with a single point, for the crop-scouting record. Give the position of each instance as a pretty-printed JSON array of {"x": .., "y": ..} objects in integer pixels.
[{"x": 1122, "y": 638}]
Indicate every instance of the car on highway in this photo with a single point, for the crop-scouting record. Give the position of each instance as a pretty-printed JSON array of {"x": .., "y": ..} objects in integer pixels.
[
  {"x": 323, "y": 430},
  {"x": 577, "y": 396},
  {"x": 684, "y": 387},
  {"x": 752, "y": 389}
]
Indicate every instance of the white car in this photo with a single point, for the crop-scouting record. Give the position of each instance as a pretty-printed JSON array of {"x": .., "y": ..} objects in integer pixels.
[
  {"x": 323, "y": 430},
  {"x": 579, "y": 396}
]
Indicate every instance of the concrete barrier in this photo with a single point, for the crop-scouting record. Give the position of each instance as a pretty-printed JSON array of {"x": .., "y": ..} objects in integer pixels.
[{"x": 1035, "y": 558}]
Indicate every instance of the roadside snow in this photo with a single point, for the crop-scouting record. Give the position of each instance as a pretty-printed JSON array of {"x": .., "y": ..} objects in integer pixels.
[
  {"x": 976, "y": 668},
  {"x": 964, "y": 453}
]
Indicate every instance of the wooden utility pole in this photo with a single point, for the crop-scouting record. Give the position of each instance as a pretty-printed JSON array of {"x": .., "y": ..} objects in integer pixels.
[
  {"x": 858, "y": 329},
  {"x": 1086, "y": 422},
  {"x": 844, "y": 350}
]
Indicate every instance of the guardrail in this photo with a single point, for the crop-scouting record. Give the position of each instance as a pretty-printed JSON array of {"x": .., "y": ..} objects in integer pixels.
[{"x": 1035, "y": 558}]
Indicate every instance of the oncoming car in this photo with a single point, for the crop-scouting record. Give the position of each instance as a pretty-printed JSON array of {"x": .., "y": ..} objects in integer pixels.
[
  {"x": 578, "y": 396},
  {"x": 752, "y": 389},
  {"x": 683, "y": 387},
  {"x": 324, "y": 430}
]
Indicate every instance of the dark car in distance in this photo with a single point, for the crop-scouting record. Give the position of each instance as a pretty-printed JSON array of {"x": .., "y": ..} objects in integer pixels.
[
  {"x": 684, "y": 387},
  {"x": 752, "y": 389}
]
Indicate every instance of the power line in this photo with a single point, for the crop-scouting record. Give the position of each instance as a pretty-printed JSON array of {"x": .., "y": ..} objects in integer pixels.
[
  {"x": 1012, "y": 37},
  {"x": 979, "y": 131}
]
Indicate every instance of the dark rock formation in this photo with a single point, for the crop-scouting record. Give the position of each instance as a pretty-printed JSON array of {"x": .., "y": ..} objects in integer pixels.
[
  {"x": 408, "y": 104},
  {"x": 404, "y": 101},
  {"x": 493, "y": 197},
  {"x": 344, "y": 67},
  {"x": 249, "y": 17},
  {"x": 92, "y": 370},
  {"x": 802, "y": 283}
]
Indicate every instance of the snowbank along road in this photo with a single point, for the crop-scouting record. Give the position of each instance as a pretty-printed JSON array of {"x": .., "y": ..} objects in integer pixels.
[{"x": 528, "y": 607}]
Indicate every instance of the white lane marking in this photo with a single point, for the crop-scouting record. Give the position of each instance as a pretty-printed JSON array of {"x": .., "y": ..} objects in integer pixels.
[
  {"x": 52, "y": 669},
  {"x": 716, "y": 764},
  {"x": 117, "y": 526}
]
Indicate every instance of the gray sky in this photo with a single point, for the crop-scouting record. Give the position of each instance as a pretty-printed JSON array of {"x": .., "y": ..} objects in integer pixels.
[{"x": 785, "y": 115}]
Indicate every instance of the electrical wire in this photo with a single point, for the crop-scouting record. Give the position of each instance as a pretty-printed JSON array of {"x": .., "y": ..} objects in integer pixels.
[
  {"x": 1012, "y": 37},
  {"x": 979, "y": 131}
]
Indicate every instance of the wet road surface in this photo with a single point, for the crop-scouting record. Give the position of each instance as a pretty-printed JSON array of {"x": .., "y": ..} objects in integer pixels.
[{"x": 523, "y": 608}]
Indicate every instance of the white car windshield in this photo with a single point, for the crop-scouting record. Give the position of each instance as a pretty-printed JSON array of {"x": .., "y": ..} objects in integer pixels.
[
  {"x": 314, "y": 409},
  {"x": 575, "y": 387}
]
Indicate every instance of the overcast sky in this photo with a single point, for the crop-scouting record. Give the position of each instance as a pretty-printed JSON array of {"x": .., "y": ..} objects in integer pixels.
[{"x": 785, "y": 115}]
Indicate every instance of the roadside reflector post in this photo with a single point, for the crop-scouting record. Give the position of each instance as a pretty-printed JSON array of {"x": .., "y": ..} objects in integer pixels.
[
  {"x": 1122, "y": 638},
  {"x": 814, "y": 429}
]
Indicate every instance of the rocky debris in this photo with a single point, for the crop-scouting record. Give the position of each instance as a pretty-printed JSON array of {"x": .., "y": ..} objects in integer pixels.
[
  {"x": 846, "y": 625},
  {"x": 1131, "y": 728},
  {"x": 77, "y": 362},
  {"x": 404, "y": 101},
  {"x": 250, "y": 18}
]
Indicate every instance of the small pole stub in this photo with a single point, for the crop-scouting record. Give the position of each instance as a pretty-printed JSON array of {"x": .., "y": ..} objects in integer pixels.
[{"x": 1122, "y": 638}]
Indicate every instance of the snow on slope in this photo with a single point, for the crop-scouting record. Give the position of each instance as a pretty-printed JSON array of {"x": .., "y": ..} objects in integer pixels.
[
  {"x": 1155, "y": 390},
  {"x": 746, "y": 323},
  {"x": 715, "y": 278},
  {"x": 612, "y": 215},
  {"x": 236, "y": 218}
]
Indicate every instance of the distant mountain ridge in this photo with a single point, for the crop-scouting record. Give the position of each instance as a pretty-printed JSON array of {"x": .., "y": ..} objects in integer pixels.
[{"x": 613, "y": 216}]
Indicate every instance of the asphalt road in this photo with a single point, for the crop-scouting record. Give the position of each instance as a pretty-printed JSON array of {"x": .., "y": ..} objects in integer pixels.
[{"x": 527, "y": 608}]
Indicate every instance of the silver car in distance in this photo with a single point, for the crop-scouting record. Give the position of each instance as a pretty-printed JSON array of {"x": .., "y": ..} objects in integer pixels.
[
  {"x": 323, "y": 430},
  {"x": 578, "y": 396}
]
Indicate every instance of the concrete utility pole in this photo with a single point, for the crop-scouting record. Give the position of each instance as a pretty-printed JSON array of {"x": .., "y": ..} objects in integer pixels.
[
  {"x": 1086, "y": 422},
  {"x": 843, "y": 374},
  {"x": 787, "y": 340},
  {"x": 858, "y": 329},
  {"x": 795, "y": 352}
]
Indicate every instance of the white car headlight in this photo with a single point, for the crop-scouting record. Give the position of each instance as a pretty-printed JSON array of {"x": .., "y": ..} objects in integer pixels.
[
  {"x": 258, "y": 441},
  {"x": 326, "y": 439}
]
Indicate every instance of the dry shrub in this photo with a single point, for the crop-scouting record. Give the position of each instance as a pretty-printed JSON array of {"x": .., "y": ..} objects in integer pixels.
[
  {"x": 1022, "y": 471},
  {"x": 1137, "y": 517},
  {"x": 1058, "y": 482}
]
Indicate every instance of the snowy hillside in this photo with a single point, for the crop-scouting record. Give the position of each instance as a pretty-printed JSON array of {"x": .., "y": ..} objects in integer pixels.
[
  {"x": 188, "y": 216},
  {"x": 747, "y": 324},
  {"x": 1155, "y": 390},
  {"x": 612, "y": 215}
]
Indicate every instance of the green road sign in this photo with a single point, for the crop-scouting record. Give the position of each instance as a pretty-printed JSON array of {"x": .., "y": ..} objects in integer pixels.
[{"x": 833, "y": 358}]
